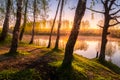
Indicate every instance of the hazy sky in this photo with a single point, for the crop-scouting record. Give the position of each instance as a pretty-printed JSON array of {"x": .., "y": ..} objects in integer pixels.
[{"x": 69, "y": 14}]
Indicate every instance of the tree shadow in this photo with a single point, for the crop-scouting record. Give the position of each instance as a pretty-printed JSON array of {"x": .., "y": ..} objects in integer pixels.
[
  {"x": 68, "y": 73},
  {"x": 42, "y": 64}
]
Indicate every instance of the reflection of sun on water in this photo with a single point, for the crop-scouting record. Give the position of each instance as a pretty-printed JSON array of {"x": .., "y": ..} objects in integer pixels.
[{"x": 87, "y": 48}]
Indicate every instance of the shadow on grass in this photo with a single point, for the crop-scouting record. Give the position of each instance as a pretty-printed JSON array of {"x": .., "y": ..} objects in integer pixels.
[
  {"x": 69, "y": 73},
  {"x": 55, "y": 73},
  {"x": 47, "y": 71},
  {"x": 41, "y": 64},
  {"x": 111, "y": 66},
  {"x": 7, "y": 41},
  {"x": 28, "y": 74}
]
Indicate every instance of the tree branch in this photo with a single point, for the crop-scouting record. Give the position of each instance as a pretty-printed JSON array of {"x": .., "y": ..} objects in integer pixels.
[
  {"x": 117, "y": 22},
  {"x": 95, "y": 11},
  {"x": 116, "y": 17},
  {"x": 115, "y": 12},
  {"x": 111, "y": 3},
  {"x": 100, "y": 26},
  {"x": 102, "y": 2},
  {"x": 112, "y": 9},
  {"x": 116, "y": 4},
  {"x": 114, "y": 24}
]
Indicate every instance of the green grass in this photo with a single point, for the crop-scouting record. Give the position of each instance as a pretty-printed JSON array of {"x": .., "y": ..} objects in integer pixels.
[
  {"x": 29, "y": 74},
  {"x": 84, "y": 69},
  {"x": 18, "y": 53},
  {"x": 71, "y": 73},
  {"x": 7, "y": 41},
  {"x": 111, "y": 66}
]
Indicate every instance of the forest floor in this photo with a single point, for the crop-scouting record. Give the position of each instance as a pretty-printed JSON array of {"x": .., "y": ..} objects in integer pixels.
[{"x": 39, "y": 63}]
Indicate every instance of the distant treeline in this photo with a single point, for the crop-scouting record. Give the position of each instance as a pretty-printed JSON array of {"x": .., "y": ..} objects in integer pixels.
[{"x": 86, "y": 31}]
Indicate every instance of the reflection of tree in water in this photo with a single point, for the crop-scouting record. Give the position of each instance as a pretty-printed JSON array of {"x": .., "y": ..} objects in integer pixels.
[
  {"x": 98, "y": 47},
  {"x": 81, "y": 45},
  {"x": 110, "y": 50},
  {"x": 118, "y": 45}
]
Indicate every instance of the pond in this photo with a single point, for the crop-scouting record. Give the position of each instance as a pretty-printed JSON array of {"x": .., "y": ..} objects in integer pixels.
[{"x": 87, "y": 47}]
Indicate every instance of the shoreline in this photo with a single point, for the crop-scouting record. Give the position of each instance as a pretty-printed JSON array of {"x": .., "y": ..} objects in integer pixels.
[{"x": 80, "y": 37}]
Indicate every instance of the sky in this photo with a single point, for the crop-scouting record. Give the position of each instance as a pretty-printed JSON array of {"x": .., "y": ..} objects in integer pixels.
[{"x": 68, "y": 14}]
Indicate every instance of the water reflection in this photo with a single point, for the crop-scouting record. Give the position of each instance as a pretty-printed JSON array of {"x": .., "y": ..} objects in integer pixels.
[
  {"x": 110, "y": 50},
  {"x": 98, "y": 46},
  {"x": 119, "y": 45},
  {"x": 81, "y": 45},
  {"x": 88, "y": 48}
]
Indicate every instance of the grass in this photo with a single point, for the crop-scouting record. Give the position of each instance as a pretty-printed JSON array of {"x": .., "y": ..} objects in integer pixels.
[
  {"x": 111, "y": 66},
  {"x": 30, "y": 74},
  {"x": 71, "y": 73},
  {"x": 18, "y": 53},
  {"x": 7, "y": 41},
  {"x": 82, "y": 68},
  {"x": 85, "y": 69}
]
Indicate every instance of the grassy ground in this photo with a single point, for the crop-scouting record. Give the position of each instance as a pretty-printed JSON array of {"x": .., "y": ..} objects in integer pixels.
[{"x": 38, "y": 63}]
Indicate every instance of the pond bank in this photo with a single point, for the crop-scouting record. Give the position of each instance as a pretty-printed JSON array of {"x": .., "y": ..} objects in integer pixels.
[{"x": 46, "y": 61}]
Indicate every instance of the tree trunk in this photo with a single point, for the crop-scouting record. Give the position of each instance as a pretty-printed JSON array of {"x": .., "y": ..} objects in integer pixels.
[
  {"x": 103, "y": 45},
  {"x": 108, "y": 5},
  {"x": 34, "y": 23},
  {"x": 49, "y": 43},
  {"x": 25, "y": 20},
  {"x": 74, "y": 33},
  {"x": 6, "y": 22},
  {"x": 104, "y": 37},
  {"x": 59, "y": 26},
  {"x": 14, "y": 44}
]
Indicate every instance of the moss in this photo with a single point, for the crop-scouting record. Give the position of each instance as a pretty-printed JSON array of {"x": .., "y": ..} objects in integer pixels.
[
  {"x": 18, "y": 53},
  {"x": 29, "y": 74},
  {"x": 25, "y": 44},
  {"x": 68, "y": 73},
  {"x": 83, "y": 69},
  {"x": 7, "y": 40},
  {"x": 111, "y": 66},
  {"x": 23, "y": 52}
]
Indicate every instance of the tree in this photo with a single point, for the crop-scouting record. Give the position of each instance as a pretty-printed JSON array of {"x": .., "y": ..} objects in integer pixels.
[
  {"x": 6, "y": 21},
  {"x": 41, "y": 7},
  {"x": 15, "y": 37},
  {"x": 74, "y": 33},
  {"x": 34, "y": 23},
  {"x": 44, "y": 9},
  {"x": 107, "y": 17},
  {"x": 111, "y": 10},
  {"x": 59, "y": 26},
  {"x": 25, "y": 20},
  {"x": 49, "y": 43}
]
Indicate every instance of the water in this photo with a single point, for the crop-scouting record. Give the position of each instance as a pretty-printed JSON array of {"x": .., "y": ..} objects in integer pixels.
[
  {"x": 112, "y": 51},
  {"x": 88, "y": 48}
]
